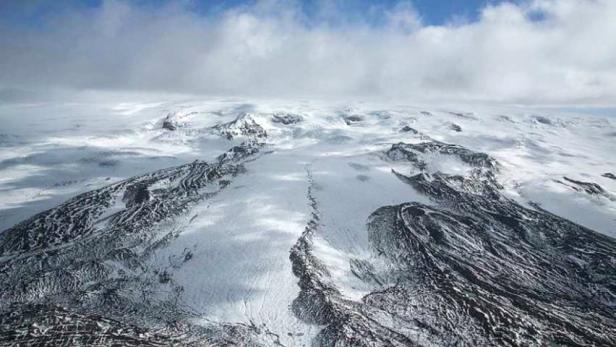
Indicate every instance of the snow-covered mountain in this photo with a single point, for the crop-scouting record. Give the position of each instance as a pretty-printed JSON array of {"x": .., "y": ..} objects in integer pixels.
[{"x": 306, "y": 223}]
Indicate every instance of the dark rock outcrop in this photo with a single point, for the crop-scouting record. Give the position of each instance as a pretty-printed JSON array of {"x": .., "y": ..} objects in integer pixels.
[
  {"x": 473, "y": 269},
  {"x": 243, "y": 126},
  {"x": 543, "y": 120},
  {"x": 408, "y": 129},
  {"x": 77, "y": 275},
  {"x": 287, "y": 118},
  {"x": 352, "y": 119},
  {"x": 414, "y": 154},
  {"x": 48, "y": 325},
  {"x": 587, "y": 187},
  {"x": 609, "y": 175},
  {"x": 169, "y": 122},
  {"x": 169, "y": 125}
]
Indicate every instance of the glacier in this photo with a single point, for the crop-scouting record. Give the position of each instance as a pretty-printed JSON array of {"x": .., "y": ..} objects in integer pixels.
[{"x": 297, "y": 223}]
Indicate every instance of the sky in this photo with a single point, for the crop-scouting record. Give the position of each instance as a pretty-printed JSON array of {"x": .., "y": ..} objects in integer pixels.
[
  {"x": 559, "y": 52},
  {"x": 433, "y": 12}
]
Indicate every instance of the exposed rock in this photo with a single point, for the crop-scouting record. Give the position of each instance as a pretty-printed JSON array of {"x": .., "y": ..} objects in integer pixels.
[
  {"x": 287, "y": 118},
  {"x": 351, "y": 119},
  {"x": 52, "y": 325},
  {"x": 543, "y": 120},
  {"x": 169, "y": 125},
  {"x": 414, "y": 152},
  {"x": 136, "y": 194},
  {"x": 48, "y": 325},
  {"x": 588, "y": 187},
  {"x": 609, "y": 175},
  {"x": 89, "y": 255},
  {"x": 467, "y": 115},
  {"x": 243, "y": 126},
  {"x": 475, "y": 269},
  {"x": 408, "y": 129},
  {"x": 505, "y": 118},
  {"x": 169, "y": 122}
]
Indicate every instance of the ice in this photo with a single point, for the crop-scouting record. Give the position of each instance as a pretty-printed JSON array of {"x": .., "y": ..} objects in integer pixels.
[{"x": 239, "y": 269}]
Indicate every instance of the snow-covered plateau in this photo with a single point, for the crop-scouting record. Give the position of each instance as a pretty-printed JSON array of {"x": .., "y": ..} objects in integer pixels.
[{"x": 278, "y": 223}]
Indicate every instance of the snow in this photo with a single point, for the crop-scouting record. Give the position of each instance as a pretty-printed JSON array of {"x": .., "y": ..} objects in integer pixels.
[
  {"x": 349, "y": 189},
  {"x": 240, "y": 239},
  {"x": 240, "y": 269}
]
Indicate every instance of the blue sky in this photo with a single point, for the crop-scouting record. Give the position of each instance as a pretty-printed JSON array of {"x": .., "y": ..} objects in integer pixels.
[{"x": 432, "y": 12}]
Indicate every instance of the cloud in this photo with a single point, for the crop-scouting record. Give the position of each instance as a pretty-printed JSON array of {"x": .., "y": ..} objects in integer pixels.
[{"x": 542, "y": 51}]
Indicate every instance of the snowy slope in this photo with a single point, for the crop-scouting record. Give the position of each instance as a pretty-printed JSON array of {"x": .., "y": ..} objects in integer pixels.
[{"x": 300, "y": 223}]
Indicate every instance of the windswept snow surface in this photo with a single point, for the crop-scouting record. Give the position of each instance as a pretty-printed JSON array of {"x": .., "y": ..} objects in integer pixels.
[{"x": 227, "y": 260}]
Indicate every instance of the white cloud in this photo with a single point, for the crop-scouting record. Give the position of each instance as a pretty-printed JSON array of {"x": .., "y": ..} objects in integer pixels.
[{"x": 545, "y": 51}]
